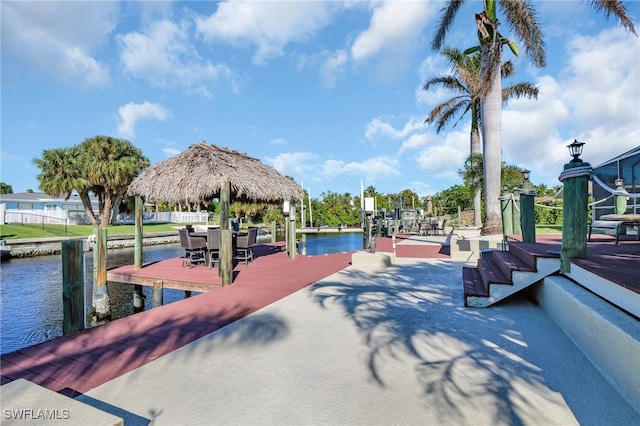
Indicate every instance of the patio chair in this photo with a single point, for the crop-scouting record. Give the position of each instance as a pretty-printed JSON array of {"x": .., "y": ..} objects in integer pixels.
[
  {"x": 213, "y": 246},
  {"x": 440, "y": 226},
  {"x": 424, "y": 228},
  {"x": 194, "y": 248},
  {"x": 244, "y": 245}
]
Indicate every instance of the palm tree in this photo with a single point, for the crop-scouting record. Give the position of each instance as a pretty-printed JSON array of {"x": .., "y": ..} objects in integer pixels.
[
  {"x": 521, "y": 18},
  {"x": 110, "y": 164},
  {"x": 466, "y": 82},
  {"x": 62, "y": 174},
  {"x": 102, "y": 165}
]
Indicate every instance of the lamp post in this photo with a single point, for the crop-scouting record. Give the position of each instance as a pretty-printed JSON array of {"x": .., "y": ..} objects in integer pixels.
[
  {"x": 575, "y": 178},
  {"x": 575, "y": 149},
  {"x": 527, "y": 209}
]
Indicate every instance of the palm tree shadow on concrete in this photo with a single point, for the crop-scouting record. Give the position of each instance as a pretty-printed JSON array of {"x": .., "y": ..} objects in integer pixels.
[{"x": 495, "y": 357}]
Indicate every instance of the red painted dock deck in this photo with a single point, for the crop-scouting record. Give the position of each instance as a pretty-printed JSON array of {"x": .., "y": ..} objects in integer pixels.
[{"x": 77, "y": 363}]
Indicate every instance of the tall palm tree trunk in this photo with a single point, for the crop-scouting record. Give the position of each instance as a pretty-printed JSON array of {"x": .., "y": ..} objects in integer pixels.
[
  {"x": 491, "y": 113},
  {"x": 477, "y": 198}
]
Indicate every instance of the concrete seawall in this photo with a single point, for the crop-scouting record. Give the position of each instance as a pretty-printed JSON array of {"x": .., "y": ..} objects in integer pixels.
[{"x": 31, "y": 247}]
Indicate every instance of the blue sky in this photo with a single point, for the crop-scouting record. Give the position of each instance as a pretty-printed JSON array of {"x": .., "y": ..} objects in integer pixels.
[{"x": 326, "y": 92}]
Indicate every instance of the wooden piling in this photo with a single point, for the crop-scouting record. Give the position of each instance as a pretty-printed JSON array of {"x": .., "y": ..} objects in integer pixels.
[
  {"x": 507, "y": 214},
  {"x": 72, "y": 286},
  {"x": 226, "y": 238},
  {"x": 516, "y": 211},
  {"x": 366, "y": 241},
  {"x": 292, "y": 232},
  {"x": 274, "y": 231},
  {"x": 574, "y": 217},
  {"x": 158, "y": 288},
  {"x": 137, "y": 257},
  {"x": 101, "y": 303},
  {"x": 528, "y": 217}
]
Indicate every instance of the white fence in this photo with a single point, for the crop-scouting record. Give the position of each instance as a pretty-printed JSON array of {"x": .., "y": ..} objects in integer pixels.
[
  {"x": 64, "y": 217},
  {"x": 164, "y": 217}
]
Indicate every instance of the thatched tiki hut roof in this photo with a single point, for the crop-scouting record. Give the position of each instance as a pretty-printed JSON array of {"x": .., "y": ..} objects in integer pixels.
[
  {"x": 198, "y": 174},
  {"x": 204, "y": 172}
]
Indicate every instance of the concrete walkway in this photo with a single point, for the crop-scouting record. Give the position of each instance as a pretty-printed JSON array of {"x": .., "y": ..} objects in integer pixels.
[{"x": 374, "y": 347}]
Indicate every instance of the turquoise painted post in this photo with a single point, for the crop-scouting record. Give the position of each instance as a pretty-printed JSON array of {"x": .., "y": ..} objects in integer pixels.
[
  {"x": 527, "y": 213},
  {"x": 574, "y": 213},
  {"x": 516, "y": 211},
  {"x": 72, "y": 286},
  {"x": 620, "y": 200},
  {"x": 507, "y": 214}
]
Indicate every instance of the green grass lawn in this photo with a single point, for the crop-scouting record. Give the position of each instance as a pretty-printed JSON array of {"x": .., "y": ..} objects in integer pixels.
[
  {"x": 10, "y": 232},
  {"x": 548, "y": 229}
]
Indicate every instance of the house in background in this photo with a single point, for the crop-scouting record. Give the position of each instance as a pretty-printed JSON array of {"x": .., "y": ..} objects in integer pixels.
[{"x": 38, "y": 207}]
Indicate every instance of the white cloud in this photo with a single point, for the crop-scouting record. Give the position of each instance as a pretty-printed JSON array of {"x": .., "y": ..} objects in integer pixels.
[
  {"x": 57, "y": 39},
  {"x": 415, "y": 141},
  {"x": 393, "y": 24},
  {"x": 171, "y": 152},
  {"x": 372, "y": 169},
  {"x": 604, "y": 81},
  {"x": 131, "y": 113},
  {"x": 269, "y": 26},
  {"x": 596, "y": 100},
  {"x": 333, "y": 67},
  {"x": 293, "y": 163},
  {"x": 379, "y": 128},
  {"x": 164, "y": 55},
  {"x": 446, "y": 158},
  {"x": 278, "y": 141}
]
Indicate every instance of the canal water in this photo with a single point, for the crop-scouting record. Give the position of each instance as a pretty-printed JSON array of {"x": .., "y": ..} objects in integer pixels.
[{"x": 31, "y": 288}]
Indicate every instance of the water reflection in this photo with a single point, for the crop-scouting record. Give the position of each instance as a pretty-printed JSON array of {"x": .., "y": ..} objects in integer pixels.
[
  {"x": 319, "y": 244},
  {"x": 31, "y": 294}
]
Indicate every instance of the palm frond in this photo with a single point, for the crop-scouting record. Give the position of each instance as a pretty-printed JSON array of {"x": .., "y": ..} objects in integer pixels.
[
  {"x": 446, "y": 20},
  {"x": 616, "y": 8},
  {"x": 521, "y": 18},
  {"x": 519, "y": 90}
]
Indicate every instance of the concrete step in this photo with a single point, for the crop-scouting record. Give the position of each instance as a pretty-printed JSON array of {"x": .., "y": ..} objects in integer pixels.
[
  {"x": 473, "y": 285},
  {"x": 490, "y": 273},
  {"x": 508, "y": 262}
]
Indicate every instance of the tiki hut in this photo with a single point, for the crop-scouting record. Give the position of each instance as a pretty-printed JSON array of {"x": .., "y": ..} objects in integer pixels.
[
  {"x": 199, "y": 173},
  {"x": 204, "y": 172}
]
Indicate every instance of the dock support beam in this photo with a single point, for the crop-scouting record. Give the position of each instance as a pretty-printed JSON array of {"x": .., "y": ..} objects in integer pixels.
[
  {"x": 226, "y": 239},
  {"x": 291, "y": 243},
  {"x": 158, "y": 287},
  {"x": 101, "y": 304},
  {"x": 137, "y": 256},
  {"x": 574, "y": 215},
  {"x": 72, "y": 286},
  {"x": 507, "y": 214}
]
